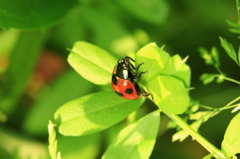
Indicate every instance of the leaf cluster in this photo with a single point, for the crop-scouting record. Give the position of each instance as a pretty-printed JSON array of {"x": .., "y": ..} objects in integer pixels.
[{"x": 168, "y": 79}]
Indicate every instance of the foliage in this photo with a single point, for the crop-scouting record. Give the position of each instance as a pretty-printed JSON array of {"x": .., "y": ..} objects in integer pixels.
[{"x": 37, "y": 85}]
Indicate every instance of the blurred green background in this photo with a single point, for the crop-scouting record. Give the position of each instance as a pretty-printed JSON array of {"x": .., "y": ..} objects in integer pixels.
[{"x": 35, "y": 78}]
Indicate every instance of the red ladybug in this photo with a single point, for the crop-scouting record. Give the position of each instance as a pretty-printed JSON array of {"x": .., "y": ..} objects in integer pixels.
[{"x": 124, "y": 79}]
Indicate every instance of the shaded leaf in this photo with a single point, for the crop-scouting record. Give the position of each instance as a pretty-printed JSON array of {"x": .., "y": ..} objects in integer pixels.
[
  {"x": 207, "y": 78},
  {"x": 239, "y": 54},
  {"x": 170, "y": 94},
  {"x": 33, "y": 14},
  {"x": 93, "y": 113},
  {"x": 21, "y": 146},
  {"x": 229, "y": 49},
  {"x": 116, "y": 37},
  {"x": 92, "y": 62},
  {"x": 206, "y": 56},
  {"x": 69, "y": 86},
  {"x": 215, "y": 55},
  {"x": 231, "y": 141},
  {"x": 22, "y": 58},
  {"x": 152, "y": 11},
  {"x": 235, "y": 27},
  {"x": 136, "y": 141},
  {"x": 82, "y": 147}
]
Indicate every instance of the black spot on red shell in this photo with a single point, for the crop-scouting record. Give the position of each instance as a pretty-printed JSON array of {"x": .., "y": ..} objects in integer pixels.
[
  {"x": 118, "y": 93},
  {"x": 129, "y": 91}
]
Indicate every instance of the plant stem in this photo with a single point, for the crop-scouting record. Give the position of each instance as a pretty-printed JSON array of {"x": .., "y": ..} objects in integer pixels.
[
  {"x": 231, "y": 80},
  {"x": 207, "y": 145}
]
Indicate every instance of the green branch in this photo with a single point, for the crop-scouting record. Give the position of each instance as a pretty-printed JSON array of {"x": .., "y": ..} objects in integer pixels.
[{"x": 207, "y": 145}]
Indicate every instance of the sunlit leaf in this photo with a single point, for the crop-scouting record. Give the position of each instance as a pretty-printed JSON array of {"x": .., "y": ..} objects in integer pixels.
[
  {"x": 93, "y": 113},
  {"x": 136, "y": 140},
  {"x": 176, "y": 67},
  {"x": 52, "y": 147},
  {"x": 170, "y": 94},
  {"x": 92, "y": 62},
  {"x": 154, "y": 59},
  {"x": 231, "y": 141}
]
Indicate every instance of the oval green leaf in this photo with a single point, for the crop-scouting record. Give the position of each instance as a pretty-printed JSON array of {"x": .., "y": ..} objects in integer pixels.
[
  {"x": 169, "y": 93},
  {"x": 231, "y": 141},
  {"x": 92, "y": 62},
  {"x": 33, "y": 14},
  {"x": 136, "y": 140},
  {"x": 93, "y": 113}
]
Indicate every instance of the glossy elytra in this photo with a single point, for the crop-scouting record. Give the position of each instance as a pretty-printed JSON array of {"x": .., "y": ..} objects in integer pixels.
[{"x": 124, "y": 79}]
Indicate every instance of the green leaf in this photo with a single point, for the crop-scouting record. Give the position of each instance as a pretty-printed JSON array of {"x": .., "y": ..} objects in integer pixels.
[
  {"x": 233, "y": 24},
  {"x": 64, "y": 89},
  {"x": 231, "y": 141},
  {"x": 21, "y": 146},
  {"x": 33, "y": 14},
  {"x": 235, "y": 27},
  {"x": 92, "y": 62},
  {"x": 176, "y": 67},
  {"x": 206, "y": 56},
  {"x": 52, "y": 147},
  {"x": 239, "y": 54},
  {"x": 215, "y": 55},
  {"x": 170, "y": 94},
  {"x": 152, "y": 11},
  {"x": 136, "y": 140},
  {"x": 229, "y": 50},
  {"x": 154, "y": 59},
  {"x": 116, "y": 37},
  {"x": 94, "y": 112},
  {"x": 7, "y": 40},
  {"x": 22, "y": 62},
  {"x": 82, "y": 147},
  {"x": 207, "y": 78}
]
